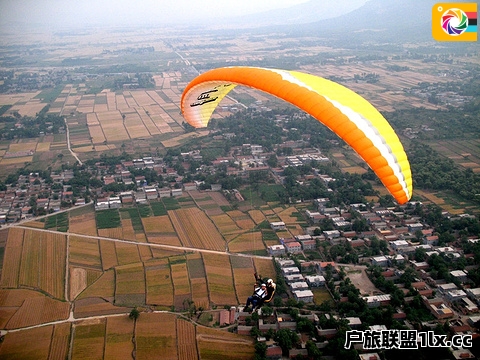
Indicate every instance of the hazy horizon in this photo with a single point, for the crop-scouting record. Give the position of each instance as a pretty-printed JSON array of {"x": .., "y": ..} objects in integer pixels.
[{"x": 58, "y": 14}]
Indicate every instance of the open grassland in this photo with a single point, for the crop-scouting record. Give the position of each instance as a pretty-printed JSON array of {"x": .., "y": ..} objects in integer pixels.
[
  {"x": 321, "y": 295},
  {"x": 219, "y": 278},
  {"x": 215, "y": 344}
]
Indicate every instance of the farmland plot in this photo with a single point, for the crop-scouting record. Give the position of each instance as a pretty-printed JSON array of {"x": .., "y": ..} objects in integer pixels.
[
  {"x": 60, "y": 341},
  {"x": 83, "y": 224},
  {"x": 186, "y": 341},
  {"x": 257, "y": 216},
  {"x": 156, "y": 331},
  {"x": 84, "y": 252},
  {"x": 19, "y": 345},
  {"x": 181, "y": 283},
  {"x": 158, "y": 225},
  {"x": 225, "y": 224},
  {"x": 12, "y": 258},
  {"x": 96, "y": 306},
  {"x": 195, "y": 229},
  {"x": 43, "y": 262},
  {"x": 127, "y": 253},
  {"x": 219, "y": 278},
  {"x": 11, "y": 301},
  {"x": 265, "y": 268},
  {"x": 39, "y": 310},
  {"x": 198, "y": 280},
  {"x": 108, "y": 254},
  {"x": 159, "y": 287},
  {"x": 118, "y": 339},
  {"x": 130, "y": 285},
  {"x": 89, "y": 339},
  {"x": 104, "y": 287},
  {"x": 248, "y": 242},
  {"x": 216, "y": 344},
  {"x": 244, "y": 282}
]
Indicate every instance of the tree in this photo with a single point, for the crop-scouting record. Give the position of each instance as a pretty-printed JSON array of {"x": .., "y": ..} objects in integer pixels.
[
  {"x": 286, "y": 338},
  {"x": 260, "y": 350},
  {"x": 134, "y": 314}
]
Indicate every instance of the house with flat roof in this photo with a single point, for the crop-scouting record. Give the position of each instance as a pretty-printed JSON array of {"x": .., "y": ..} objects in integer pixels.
[
  {"x": 303, "y": 295},
  {"x": 278, "y": 225}
]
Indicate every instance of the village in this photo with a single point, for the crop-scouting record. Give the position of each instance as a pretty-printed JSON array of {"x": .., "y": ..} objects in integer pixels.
[{"x": 407, "y": 257}]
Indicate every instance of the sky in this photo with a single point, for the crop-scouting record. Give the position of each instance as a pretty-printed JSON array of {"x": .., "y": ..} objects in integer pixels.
[{"x": 64, "y": 13}]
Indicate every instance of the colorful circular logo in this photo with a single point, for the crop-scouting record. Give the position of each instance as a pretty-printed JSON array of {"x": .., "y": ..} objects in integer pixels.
[{"x": 454, "y": 22}]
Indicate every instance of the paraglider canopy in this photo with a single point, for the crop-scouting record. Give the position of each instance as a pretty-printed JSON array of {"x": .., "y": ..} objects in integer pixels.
[{"x": 346, "y": 113}]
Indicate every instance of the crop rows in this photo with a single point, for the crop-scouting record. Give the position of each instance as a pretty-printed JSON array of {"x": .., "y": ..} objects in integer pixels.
[
  {"x": 186, "y": 342},
  {"x": 200, "y": 231},
  {"x": 12, "y": 258},
  {"x": 219, "y": 278}
]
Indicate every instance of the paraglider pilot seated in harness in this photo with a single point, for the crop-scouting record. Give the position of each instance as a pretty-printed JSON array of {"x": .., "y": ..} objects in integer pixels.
[{"x": 262, "y": 294}]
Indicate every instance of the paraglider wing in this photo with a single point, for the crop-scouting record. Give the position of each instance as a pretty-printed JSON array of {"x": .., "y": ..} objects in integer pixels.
[{"x": 346, "y": 113}]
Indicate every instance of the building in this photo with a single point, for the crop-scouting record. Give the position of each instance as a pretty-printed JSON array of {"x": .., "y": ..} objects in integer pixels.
[
  {"x": 279, "y": 225},
  {"x": 164, "y": 192},
  {"x": 309, "y": 244},
  {"x": 290, "y": 270},
  {"x": 296, "y": 286},
  {"x": 285, "y": 263},
  {"x": 190, "y": 186},
  {"x": 460, "y": 275},
  {"x": 177, "y": 192},
  {"x": 150, "y": 192},
  {"x": 293, "y": 247},
  {"x": 473, "y": 294},
  {"x": 377, "y": 300},
  {"x": 455, "y": 295},
  {"x": 276, "y": 250},
  {"x": 369, "y": 356},
  {"x": 315, "y": 281},
  {"x": 398, "y": 244},
  {"x": 380, "y": 261},
  {"x": 305, "y": 296},
  {"x": 294, "y": 278}
]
